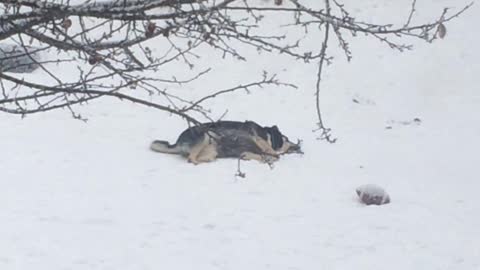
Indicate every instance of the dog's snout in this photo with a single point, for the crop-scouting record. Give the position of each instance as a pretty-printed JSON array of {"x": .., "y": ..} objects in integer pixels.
[{"x": 296, "y": 147}]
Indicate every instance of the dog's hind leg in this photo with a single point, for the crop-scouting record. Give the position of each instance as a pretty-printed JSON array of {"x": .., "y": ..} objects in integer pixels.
[
  {"x": 209, "y": 153},
  {"x": 197, "y": 149}
]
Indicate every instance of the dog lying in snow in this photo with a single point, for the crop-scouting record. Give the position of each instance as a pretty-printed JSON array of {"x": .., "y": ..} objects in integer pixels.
[{"x": 229, "y": 139}]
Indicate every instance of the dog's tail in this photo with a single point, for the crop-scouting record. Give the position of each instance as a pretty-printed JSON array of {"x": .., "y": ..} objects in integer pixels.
[{"x": 165, "y": 147}]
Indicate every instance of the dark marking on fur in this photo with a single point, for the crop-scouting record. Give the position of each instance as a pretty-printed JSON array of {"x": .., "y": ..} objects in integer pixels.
[{"x": 276, "y": 137}]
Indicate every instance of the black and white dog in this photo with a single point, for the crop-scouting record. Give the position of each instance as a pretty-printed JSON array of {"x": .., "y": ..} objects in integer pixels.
[{"x": 229, "y": 139}]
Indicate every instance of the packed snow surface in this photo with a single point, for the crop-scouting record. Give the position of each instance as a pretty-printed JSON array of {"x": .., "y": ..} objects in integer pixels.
[{"x": 92, "y": 195}]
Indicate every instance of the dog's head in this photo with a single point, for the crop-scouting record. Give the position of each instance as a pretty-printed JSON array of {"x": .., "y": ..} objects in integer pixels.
[{"x": 281, "y": 143}]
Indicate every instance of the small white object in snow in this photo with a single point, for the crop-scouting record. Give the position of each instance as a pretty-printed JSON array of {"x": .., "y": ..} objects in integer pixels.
[{"x": 372, "y": 194}]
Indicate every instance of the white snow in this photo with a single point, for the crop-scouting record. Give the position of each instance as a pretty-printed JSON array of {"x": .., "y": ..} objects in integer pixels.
[{"x": 93, "y": 196}]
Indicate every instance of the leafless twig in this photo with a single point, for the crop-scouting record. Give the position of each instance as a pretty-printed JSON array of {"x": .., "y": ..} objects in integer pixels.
[{"x": 128, "y": 50}]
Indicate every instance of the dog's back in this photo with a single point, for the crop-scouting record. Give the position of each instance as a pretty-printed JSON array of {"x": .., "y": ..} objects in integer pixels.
[
  {"x": 231, "y": 138},
  {"x": 221, "y": 129},
  {"x": 235, "y": 142}
]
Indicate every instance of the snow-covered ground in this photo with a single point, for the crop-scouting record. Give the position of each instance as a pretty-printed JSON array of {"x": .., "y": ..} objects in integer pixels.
[{"x": 92, "y": 196}]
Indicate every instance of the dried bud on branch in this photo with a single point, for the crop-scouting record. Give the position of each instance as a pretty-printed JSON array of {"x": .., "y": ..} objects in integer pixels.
[
  {"x": 150, "y": 30},
  {"x": 95, "y": 59},
  {"x": 66, "y": 24},
  {"x": 442, "y": 30}
]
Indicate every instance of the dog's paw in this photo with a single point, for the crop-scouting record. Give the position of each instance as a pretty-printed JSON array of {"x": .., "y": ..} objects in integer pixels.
[
  {"x": 269, "y": 159},
  {"x": 243, "y": 156},
  {"x": 189, "y": 160}
]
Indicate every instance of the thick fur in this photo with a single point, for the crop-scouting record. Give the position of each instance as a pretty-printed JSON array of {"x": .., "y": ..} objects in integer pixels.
[{"x": 228, "y": 139}]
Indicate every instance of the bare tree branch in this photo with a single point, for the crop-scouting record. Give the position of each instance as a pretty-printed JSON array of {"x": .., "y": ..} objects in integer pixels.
[{"x": 108, "y": 45}]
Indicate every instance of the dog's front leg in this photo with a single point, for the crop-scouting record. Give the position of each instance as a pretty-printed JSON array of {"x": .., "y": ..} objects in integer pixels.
[
  {"x": 269, "y": 159},
  {"x": 265, "y": 146}
]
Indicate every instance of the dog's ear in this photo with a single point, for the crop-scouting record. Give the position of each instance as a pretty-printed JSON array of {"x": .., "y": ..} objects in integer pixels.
[{"x": 276, "y": 137}]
